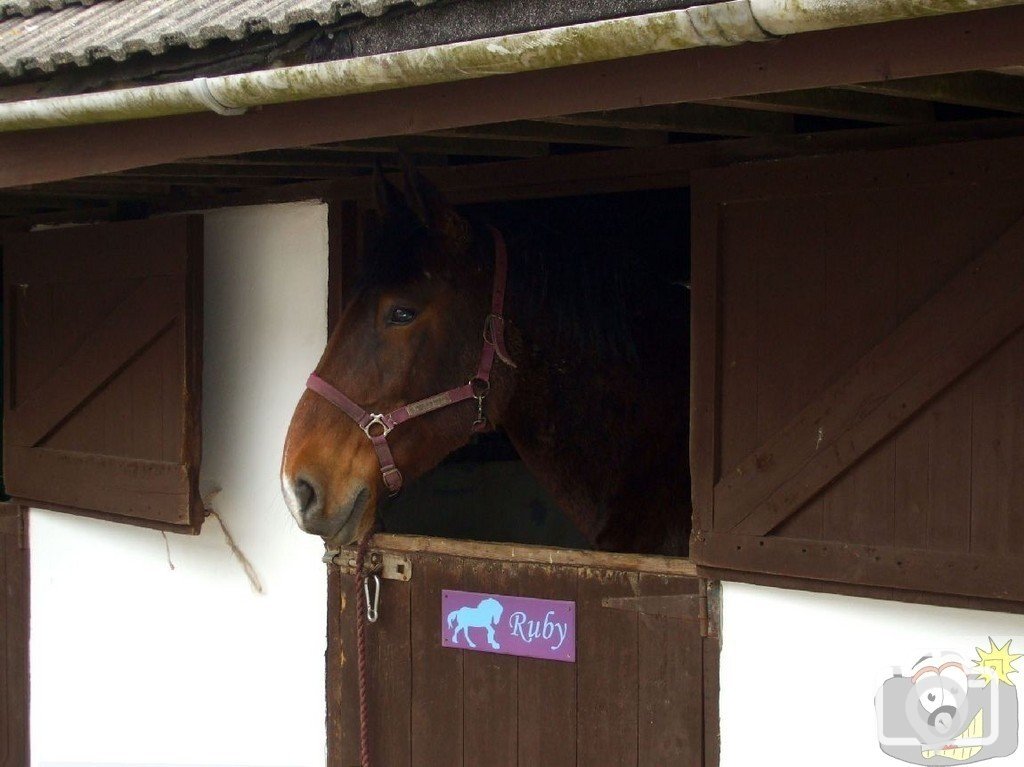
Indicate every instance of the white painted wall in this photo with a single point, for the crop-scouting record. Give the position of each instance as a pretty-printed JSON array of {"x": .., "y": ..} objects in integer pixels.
[
  {"x": 136, "y": 664},
  {"x": 800, "y": 671}
]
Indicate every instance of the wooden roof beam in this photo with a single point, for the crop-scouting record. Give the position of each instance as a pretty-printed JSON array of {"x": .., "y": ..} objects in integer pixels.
[
  {"x": 443, "y": 145},
  {"x": 115, "y": 185},
  {"x": 686, "y": 118},
  {"x": 229, "y": 175},
  {"x": 555, "y": 131},
  {"x": 847, "y": 105},
  {"x": 319, "y": 158},
  {"x": 986, "y": 90}
]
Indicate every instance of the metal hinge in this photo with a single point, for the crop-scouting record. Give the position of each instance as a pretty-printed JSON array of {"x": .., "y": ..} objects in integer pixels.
[
  {"x": 392, "y": 567},
  {"x": 702, "y": 607}
]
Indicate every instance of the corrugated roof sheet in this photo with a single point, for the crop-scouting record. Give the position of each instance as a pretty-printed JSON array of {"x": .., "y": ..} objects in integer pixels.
[
  {"x": 47, "y": 33},
  {"x": 28, "y": 7}
]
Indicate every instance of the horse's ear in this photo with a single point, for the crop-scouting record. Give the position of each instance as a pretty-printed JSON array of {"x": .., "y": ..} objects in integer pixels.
[
  {"x": 387, "y": 197},
  {"x": 430, "y": 207}
]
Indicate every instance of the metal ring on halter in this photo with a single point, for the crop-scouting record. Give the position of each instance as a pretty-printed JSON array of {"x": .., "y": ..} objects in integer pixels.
[
  {"x": 376, "y": 419},
  {"x": 480, "y": 387}
]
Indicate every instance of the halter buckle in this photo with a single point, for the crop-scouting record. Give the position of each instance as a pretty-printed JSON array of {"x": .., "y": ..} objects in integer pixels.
[
  {"x": 376, "y": 419},
  {"x": 392, "y": 480}
]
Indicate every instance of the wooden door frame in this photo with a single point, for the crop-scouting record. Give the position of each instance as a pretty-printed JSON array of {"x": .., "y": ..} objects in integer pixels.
[{"x": 467, "y": 185}]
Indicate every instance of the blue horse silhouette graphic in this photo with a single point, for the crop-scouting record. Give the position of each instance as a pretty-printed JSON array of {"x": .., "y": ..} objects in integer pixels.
[{"x": 485, "y": 615}]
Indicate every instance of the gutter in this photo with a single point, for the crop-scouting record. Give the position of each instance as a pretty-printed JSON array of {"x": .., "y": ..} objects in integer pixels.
[{"x": 720, "y": 24}]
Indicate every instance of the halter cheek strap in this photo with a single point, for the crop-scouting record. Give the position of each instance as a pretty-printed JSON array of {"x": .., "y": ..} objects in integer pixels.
[{"x": 377, "y": 426}]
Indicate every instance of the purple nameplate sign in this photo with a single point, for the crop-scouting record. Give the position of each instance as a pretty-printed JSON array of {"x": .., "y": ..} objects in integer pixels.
[{"x": 532, "y": 628}]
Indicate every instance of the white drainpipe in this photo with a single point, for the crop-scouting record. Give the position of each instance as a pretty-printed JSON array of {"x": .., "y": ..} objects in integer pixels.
[{"x": 720, "y": 24}]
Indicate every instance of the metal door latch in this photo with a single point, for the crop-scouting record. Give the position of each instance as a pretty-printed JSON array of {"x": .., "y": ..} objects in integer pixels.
[{"x": 392, "y": 567}]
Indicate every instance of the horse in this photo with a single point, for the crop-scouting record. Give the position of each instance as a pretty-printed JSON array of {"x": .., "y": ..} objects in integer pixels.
[
  {"x": 589, "y": 376},
  {"x": 485, "y": 615}
]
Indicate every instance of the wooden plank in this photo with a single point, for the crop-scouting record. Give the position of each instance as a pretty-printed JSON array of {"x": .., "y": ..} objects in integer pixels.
[
  {"x": 144, "y": 315},
  {"x": 55, "y": 196},
  {"x": 342, "y": 672},
  {"x": 704, "y": 359},
  {"x": 467, "y": 147},
  {"x": 704, "y": 119},
  {"x": 984, "y": 90},
  {"x": 671, "y": 684},
  {"x": 437, "y": 686},
  {"x": 317, "y": 157},
  {"x": 926, "y": 46},
  {"x": 14, "y": 638},
  {"x": 389, "y": 661},
  {"x": 153, "y": 490},
  {"x": 951, "y": 332},
  {"x": 711, "y": 649},
  {"x": 830, "y": 102},
  {"x": 228, "y": 173},
  {"x": 607, "y": 661},
  {"x": 785, "y": 332},
  {"x": 547, "y": 689},
  {"x": 515, "y": 553},
  {"x": 933, "y": 475},
  {"x": 997, "y": 447},
  {"x": 490, "y": 683},
  {"x": 861, "y": 305},
  {"x": 197, "y": 185},
  {"x": 860, "y": 505},
  {"x": 554, "y": 133},
  {"x": 991, "y": 576},
  {"x": 69, "y": 255}
]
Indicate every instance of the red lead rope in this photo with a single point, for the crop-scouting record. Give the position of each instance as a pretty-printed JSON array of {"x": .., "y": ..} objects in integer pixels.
[{"x": 364, "y": 703}]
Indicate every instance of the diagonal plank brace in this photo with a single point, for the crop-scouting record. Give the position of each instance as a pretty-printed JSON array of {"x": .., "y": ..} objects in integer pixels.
[{"x": 954, "y": 330}]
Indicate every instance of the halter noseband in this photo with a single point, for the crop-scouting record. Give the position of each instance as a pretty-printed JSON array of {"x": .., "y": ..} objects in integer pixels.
[{"x": 377, "y": 426}]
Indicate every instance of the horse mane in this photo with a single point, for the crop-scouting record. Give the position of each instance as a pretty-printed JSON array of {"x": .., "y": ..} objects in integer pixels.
[
  {"x": 593, "y": 274},
  {"x": 579, "y": 267}
]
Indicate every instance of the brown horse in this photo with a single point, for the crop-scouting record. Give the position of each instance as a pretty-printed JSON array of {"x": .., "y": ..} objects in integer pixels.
[{"x": 596, "y": 403}]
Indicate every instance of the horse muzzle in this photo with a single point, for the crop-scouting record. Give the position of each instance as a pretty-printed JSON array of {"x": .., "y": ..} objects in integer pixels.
[{"x": 334, "y": 519}]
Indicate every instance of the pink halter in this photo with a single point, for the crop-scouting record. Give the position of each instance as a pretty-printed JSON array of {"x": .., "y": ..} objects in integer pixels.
[{"x": 377, "y": 426}]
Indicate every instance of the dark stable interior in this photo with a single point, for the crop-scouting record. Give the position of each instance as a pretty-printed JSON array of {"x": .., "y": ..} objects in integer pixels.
[{"x": 484, "y": 491}]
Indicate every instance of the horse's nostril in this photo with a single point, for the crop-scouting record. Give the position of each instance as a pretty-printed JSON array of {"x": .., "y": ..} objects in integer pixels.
[{"x": 306, "y": 496}]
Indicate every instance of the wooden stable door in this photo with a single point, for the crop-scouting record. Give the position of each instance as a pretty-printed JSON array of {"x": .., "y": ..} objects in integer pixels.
[{"x": 635, "y": 695}]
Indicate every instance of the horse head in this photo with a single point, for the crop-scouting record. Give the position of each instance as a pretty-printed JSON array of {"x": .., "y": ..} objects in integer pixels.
[{"x": 411, "y": 329}]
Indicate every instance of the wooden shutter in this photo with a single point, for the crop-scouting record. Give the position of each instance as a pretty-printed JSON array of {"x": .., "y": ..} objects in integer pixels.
[
  {"x": 103, "y": 363},
  {"x": 858, "y": 409},
  {"x": 14, "y": 614}
]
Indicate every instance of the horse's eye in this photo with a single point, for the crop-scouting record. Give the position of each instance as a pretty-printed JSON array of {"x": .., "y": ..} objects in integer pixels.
[{"x": 400, "y": 315}]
